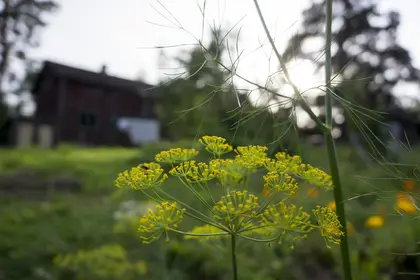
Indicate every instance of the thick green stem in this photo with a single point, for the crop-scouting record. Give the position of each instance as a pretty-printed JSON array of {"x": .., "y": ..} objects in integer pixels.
[
  {"x": 332, "y": 154},
  {"x": 325, "y": 128},
  {"x": 234, "y": 262}
]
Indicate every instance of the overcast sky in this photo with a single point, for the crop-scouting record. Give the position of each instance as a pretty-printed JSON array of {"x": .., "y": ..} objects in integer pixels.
[{"x": 90, "y": 33}]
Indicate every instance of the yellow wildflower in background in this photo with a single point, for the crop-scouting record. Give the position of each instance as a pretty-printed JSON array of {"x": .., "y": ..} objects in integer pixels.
[
  {"x": 266, "y": 192},
  {"x": 408, "y": 185},
  {"x": 375, "y": 221},
  {"x": 332, "y": 205},
  {"x": 215, "y": 145},
  {"x": 350, "y": 229},
  {"x": 312, "y": 192},
  {"x": 405, "y": 204}
]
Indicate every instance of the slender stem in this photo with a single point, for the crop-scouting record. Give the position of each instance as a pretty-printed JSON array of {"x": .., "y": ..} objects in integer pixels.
[
  {"x": 332, "y": 154},
  {"x": 234, "y": 262},
  {"x": 297, "y": 96},
  {"x": 259, "y": 240},
  {"x": 200, "y": 234}
]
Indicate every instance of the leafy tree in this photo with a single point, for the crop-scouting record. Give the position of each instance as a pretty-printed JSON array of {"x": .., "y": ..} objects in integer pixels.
[
  {"x": 20, "y": 20},
  {"x": 366, "y": 55}
]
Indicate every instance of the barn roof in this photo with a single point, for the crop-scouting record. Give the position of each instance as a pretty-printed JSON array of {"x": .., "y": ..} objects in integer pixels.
[{"x": 97, "y": 79}]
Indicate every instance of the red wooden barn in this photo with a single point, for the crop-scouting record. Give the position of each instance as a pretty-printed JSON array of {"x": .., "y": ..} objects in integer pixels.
[{"x": 93, "y": 108}]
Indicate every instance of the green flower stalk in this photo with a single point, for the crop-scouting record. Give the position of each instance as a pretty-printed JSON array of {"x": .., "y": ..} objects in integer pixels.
[
  {"x": 326, "y": 127},
  {"x": 235, "y": 210}
]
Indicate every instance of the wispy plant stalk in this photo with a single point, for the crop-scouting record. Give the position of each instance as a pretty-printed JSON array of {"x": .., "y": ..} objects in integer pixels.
[{"x": 326, "y": 127}]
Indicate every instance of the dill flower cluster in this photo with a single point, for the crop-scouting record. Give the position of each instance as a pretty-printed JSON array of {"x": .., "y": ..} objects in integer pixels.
[
  {"x": 244, "y": 195},
  {"x": 167, "y": 217}
]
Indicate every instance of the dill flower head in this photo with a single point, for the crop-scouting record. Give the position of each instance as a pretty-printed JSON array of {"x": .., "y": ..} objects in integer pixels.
[
  {"x": 280, "y": 182},
  {"x": 294, "y": 166},
  {"x": 194, "y": 173},
  {"x": 251, "y": 156},
  {"x": 155, "y": 223},
  {"x": 317, "y": 178},
  {"x": 229, "y": 172},
  {"x": 286, "y": 163},
  {"x": 142, "y": 177},
  {"x": 328, "y": 224},
  {"x": 176, "y": 155},
  {"x": 206, "y": 232},
  {"x": 288, "y": 160},
  {"x": 215, "y": 145},
  {"x": 235, "y": 207},
  {"x": 286, "y": 220}
]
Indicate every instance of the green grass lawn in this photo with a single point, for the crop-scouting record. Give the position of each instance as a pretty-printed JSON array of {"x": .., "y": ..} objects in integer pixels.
[{"x": 96, "y": 168}]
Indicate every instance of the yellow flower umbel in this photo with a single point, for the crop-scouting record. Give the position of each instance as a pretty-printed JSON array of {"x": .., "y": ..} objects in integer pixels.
[
  {"x": 215, "y": 145},
  {"x": 194, "y": 173},
  {"x": 280, "y": 183},
  {"x": 176, "y": 155},
  {"x": 286, "y": 163},
  {"x": 286, "y": 221},
  {"x": 251, "y": 157},
  {"x": 235, "y": 208},
  {"x": 318, "y": 178},
  {"x": 233, "y": 211},
  {"x": 375, "y": 222},
  {"x": 293, "y": 165},
  {"x": 167, "y": 217},
  {"x": 148, "y": 175},
  {"x": 230, "y": 172},
  {"x": 328, "y": 224}
]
